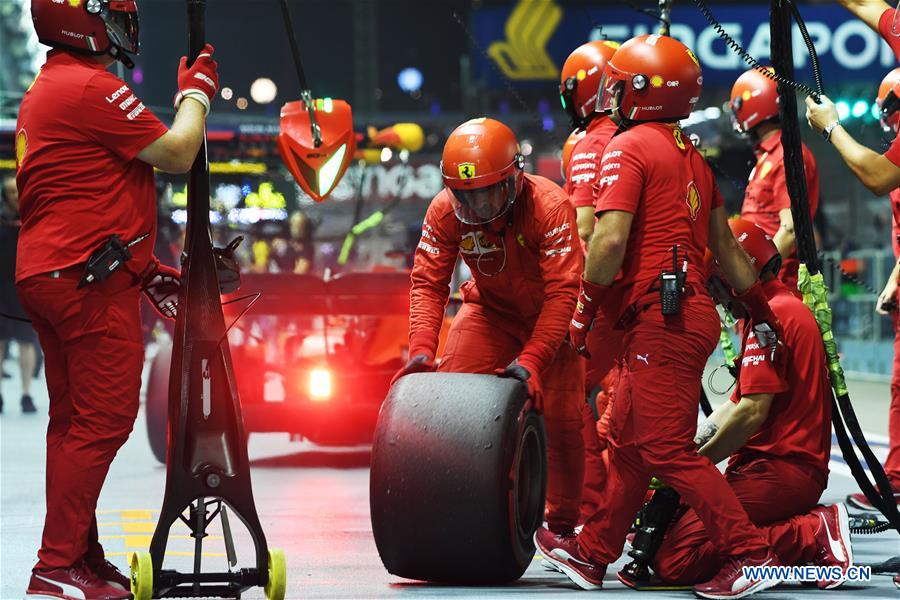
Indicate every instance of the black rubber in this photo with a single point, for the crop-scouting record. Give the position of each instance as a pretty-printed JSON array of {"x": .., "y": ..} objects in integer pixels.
[
  {"x": 459, "y": 476},
  {"x": 157, "y": 402}
]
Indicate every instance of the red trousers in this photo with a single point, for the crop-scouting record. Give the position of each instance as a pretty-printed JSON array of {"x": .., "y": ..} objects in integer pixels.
[
  {"x": 605, "y": 347},
  {"x": 92, "y": 345},
  {"x": 480, "y": 341},
  {"x": 892, "y": 464},
  {"x": 654, "y": 419},
  {"x": 776, "y": 493}
]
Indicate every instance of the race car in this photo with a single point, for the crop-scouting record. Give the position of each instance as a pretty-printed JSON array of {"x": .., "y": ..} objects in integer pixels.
[{"x": 313, "y": 357}]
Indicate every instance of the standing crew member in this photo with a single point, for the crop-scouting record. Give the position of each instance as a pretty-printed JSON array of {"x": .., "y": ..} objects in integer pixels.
[
  {"x": 878, "y": 172},
  {"x": 776, "y": 431},
  {"x": 579, "y": 84},
  {"x": 517, "y": 234},
  {"x": 578, "y": 89},
  {"x": 85, "y": 151},
  {"x": 658, "y": 208},
  {"x": 888, "y": 101},
  {"x": 754, "y": 106}
]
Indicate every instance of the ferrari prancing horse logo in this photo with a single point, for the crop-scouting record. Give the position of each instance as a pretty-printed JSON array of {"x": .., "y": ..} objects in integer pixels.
[{"x": 466, "y": 170}]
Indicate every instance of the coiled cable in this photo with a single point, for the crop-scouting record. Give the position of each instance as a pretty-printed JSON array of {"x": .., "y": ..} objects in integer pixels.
[{"x": 750, "y": 60}]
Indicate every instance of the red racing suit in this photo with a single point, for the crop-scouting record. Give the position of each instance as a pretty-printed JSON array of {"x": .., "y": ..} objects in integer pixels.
[
  {"x": 786, "y": 459},
  {"x": 892, "y": 463},
  {"x": 653, "y": 172},
  {"x": 78, "y": 134},
  {"x": 767, "y": 194},
  {"x": 604, "y": 343},
  {"x": 526, "y": 267},
  {"x": 885, "y": 24}
]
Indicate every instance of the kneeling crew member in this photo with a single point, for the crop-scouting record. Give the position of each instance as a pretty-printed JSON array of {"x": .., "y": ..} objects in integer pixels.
[
  {"x": 776, "y": 431},
  {"x": 85, "y": 151},
  {"x": 658, "y": 205},
  {"x": 517, "y": 234}
]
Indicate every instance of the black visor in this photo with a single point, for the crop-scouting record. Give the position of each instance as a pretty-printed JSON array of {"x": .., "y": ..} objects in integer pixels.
[{"x": 122, "y": 28}]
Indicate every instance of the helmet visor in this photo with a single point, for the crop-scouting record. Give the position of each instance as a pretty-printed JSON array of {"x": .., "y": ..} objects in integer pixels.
[
  {"x": 121, "y": 21},
  {"x": 481, "y": 205},
  {"x": 889, "y": 107},
  {"x": 610, "y": 93}
]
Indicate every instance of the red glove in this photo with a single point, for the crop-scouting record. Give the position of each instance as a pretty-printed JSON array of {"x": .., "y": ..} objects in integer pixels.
[
  {"x": 527, "y": 375},
  {"x": 585, "y": 311},
  {"x": 768, "y": 329},
  {"x": 200, "y": 81},
  {"x": 420, "y": 363},
  {"x": 161, "y": 285}
]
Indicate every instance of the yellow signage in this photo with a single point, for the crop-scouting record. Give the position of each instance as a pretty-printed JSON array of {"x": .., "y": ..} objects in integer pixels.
[{"x": 523, "y": 54}]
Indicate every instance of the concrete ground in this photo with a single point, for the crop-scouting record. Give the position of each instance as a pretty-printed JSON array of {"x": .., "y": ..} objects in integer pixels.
[{"x": 313, "y": 503}]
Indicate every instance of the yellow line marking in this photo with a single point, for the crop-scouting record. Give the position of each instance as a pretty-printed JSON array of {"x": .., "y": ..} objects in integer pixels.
[
  {"x": 137, "y": 515},
  {"x": 173, "y": 553}
]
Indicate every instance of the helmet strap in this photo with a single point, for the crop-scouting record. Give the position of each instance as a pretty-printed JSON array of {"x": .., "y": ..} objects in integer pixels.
[{"x": 118, "y": 54}]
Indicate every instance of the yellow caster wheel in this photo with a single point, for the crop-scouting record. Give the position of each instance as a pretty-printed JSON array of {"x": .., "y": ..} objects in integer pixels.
[
  {"x": 275, "y": 586},
  {"x": 141, "y": 575}
]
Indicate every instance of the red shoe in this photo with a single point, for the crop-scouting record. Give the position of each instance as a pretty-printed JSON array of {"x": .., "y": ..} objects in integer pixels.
[
  {"x": 109, "y": 573},
  {"x": 731, "y": 583},
  {"x": 862, "y": 503},
  {"x": 833, "y": 548},
  {"x": 73, "y": 583},
  {"x": 563, "y": 553}
]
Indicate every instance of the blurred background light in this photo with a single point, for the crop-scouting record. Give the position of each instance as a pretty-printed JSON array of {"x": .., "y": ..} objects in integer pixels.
[
  {"x": 263, "y": 90},
  {"x": 410, "y": 80}
]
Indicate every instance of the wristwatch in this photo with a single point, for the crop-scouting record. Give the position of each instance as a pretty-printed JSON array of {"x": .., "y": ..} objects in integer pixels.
[{"x": 826, "y": 133}]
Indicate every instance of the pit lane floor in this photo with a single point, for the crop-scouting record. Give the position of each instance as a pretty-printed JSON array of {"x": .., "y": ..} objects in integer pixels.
[{"x": 313, "y": 503}]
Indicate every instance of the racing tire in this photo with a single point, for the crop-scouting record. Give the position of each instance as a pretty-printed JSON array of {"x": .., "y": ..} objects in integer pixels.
[
  {"x": 458, "y": 479},
  {"x": 157, "y": 402}
]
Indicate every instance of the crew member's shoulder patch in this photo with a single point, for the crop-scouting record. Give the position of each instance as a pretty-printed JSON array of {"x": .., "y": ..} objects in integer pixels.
[
  {"x": 692, "y": 199},
  {"x": 21, "y": 147}
]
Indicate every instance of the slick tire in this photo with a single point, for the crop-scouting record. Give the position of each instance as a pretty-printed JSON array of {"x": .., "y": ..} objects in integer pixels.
[
  {"x": 458, "y": 479},
  {"x": 157, "y": 402}
]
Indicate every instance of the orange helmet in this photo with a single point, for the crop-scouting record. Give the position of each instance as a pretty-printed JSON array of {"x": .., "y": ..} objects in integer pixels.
[
  {"x": 754, "y": 99},
  {"x": 758, "y": 245},
  {"x": 651, "y": 78},
  {"x": 90, "y": 27},
  {"x": 579, "y": 80},
  {"x": 760, "y": 249},
  {"x": 482, "y": 169},
  {"x": 568, "y": 148},
  {"x": 889, "y": 101}
]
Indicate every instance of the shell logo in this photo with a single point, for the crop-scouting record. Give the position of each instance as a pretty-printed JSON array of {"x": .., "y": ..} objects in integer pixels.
[
  {"x": 693, "y": 56},
  {"x": 693, "y": 200},
  {"x": 74, "y": 3},
  {"x": 21, "y": 147}
]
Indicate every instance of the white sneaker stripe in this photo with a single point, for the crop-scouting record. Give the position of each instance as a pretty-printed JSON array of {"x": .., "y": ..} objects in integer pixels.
[{"x": 67, "y": 590}]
